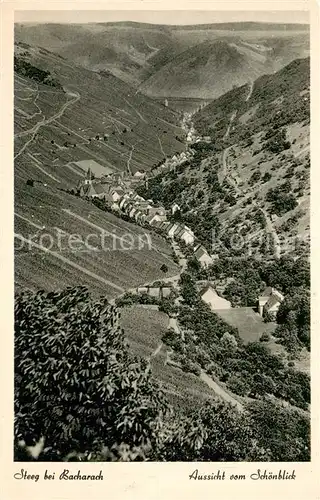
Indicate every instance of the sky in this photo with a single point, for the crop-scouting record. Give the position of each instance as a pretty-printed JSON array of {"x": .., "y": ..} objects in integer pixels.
[{"x": 183, "y": 17}]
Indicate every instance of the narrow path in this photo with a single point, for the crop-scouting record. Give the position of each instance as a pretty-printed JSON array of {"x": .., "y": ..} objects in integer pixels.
[
  {"x": 129, "y": 160},
  {"x": 161, "y": 148},
  {"x": 220, "y": 391},
  {"x": 233, "y": 116},
  {"x": 46, "y": 121},
  {"x": 271, "y": 230},
  {"x": 37, "y": 164},
  {"x": 251, "y": 84},
  {"x": 225, "y": 173},
  {"x": 156, "y": 351},
  {"x": 138, "y": 113}
]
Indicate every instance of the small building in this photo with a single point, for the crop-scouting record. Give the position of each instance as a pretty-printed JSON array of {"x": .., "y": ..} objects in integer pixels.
[
  {"x": 124, "y": 201},
  {"x": 172, "y": 229},
  {"x": 133, "y": 212},
  {"x": 269, "y": 301},
  {"x": 157, "y": 224},
  {"x": 210, "y": 297},
  {"x": 152, "y": 219},
  {"x": 117, "y": 193},
  {"x": 203, "y": 257},
  {"x": 137, "y": 215},
  {"x": 164, "y": 225},
  {"x": 174, "y": 208},
  {"x": 139, "y": 174},
  {"x": 156, "y": 210},
  {"x": 185, "y": 234}
]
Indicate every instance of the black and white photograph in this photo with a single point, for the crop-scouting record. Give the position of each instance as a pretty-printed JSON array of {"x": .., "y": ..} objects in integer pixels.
[{"x": 162, "y": 238}]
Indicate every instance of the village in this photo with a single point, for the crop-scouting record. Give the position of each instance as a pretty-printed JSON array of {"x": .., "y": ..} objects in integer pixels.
[{"x": 117, "y": 191}]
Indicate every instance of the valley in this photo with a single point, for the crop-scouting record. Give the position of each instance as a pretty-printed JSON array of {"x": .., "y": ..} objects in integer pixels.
[{"x": 162, "y": 219}]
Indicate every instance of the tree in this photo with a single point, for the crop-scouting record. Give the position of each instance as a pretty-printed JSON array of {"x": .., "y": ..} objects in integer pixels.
[
  {"x": 293, "y": 318},
  {"x": 229, "y": 342},
  {"x": 215, "y": 432},
  {"x": 164, "y": 268},
  {"x": 75, "y": 384}
]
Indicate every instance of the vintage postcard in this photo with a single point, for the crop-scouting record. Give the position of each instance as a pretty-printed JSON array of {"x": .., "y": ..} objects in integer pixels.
[{"x": 159, "y": 315}]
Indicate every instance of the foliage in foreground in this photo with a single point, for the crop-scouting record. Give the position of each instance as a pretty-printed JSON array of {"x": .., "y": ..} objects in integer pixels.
[{"x": 80, "y": 396}]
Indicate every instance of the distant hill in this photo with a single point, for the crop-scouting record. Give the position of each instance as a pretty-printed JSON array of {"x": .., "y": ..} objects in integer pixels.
[
  {"x": 175, "y": 61},
  {"x": 205, "y": 70},
  {"x": 252, "y": 180}
]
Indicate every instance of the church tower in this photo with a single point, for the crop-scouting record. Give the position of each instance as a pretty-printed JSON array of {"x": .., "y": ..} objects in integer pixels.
[{"x": 89, "y": 177}]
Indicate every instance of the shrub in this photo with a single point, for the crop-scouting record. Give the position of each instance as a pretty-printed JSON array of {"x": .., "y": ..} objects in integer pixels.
[
  {"x": 75, "y": 384},
  {"x": 265, "y": 337}
]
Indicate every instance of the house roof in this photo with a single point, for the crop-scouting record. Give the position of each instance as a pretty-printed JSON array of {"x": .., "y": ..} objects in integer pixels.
[
  {"x": 183, "y": 230},
  {"x": 149, "y": 218},
  {"x": 95, "y": 189},
  {"x": 101, "y": 188},
  {"x": 215, "y": 301},
  {"x": 208, "y": 288},
  {"x": 200, "y": 252},
  {"x": 272, "y": 302},
  {"x": 157, "y": 223},
  {"x": 270, "y": 291},
  {"x": 117, "y": 189},
  {"x": 266, "y": 292}
]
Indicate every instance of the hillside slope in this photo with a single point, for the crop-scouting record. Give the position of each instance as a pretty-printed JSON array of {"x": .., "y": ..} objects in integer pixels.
[
  {"x": 86, "y": 116},
  {"x": 174, "y": 60},
  {"x": 251, "y": 181},
  {"x": 206, "y": 70},
  {"x": 63, "y": 114}
]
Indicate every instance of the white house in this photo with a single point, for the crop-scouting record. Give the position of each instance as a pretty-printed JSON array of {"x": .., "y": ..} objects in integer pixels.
[
  {"x": 116, "y": 193},
  {"x": 139, "y": 173},
  {"x": 210, "y": 297},
  {"x": 186, "y": 235},
  {"x": 174, "y": 208},
  {"x": 269, "y": 301},
  {"x": 151, "y": 219},
  {"x": 172, "y": 229},
  {"x": 203, "y": 257},
  {"x": 133, "y": 212}
]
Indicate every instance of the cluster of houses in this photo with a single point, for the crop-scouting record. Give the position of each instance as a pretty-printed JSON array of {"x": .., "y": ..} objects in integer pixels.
[
  {"x": 122, "y": 198},
  {"x": 173, "y": 162}
]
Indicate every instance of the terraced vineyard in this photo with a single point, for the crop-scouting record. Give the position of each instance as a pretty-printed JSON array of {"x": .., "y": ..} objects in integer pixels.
[
  {"x": 94, "y": 117},
  {"x": 45, "y": 217}
]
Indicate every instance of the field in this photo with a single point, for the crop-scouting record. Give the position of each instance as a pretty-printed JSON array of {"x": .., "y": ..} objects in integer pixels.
[
  {"x": 144, "y": 329},
  {"x": 75, "y": 243},
  {"x": 249, "y": 323}
]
